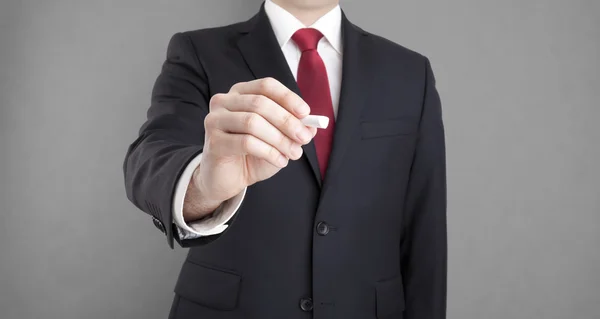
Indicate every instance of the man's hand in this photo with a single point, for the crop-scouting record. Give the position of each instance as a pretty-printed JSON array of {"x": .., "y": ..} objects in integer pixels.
[{"x": 251, "y": 133}]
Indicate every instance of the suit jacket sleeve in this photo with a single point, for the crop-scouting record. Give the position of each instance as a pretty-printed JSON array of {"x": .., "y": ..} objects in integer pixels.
[
  {"x": 171, "y": 137},
  {"x": 424, "y": 240}
]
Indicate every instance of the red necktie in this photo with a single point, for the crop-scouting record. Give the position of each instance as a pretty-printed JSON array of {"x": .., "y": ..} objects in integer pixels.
[{"x": 314, "y": 86}]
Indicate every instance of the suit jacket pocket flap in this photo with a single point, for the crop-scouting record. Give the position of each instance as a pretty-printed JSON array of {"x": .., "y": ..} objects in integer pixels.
[
  {"x": 390, "y": 297},
  {"x": 208, "y": 286},
  {"x": 388, "y": 128}
]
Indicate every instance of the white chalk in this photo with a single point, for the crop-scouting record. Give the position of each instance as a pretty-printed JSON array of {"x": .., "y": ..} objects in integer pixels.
[{"x": 318, "y": 121}]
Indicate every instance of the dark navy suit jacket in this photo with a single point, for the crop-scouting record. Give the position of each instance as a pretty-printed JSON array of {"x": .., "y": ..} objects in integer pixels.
[{"x": 368, "y": 242}]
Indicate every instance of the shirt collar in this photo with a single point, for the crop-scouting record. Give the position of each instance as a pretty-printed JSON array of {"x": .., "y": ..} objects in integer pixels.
[{"x": 285, "y": 25}]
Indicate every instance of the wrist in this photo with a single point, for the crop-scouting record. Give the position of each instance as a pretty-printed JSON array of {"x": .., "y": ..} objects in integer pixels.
[{"x": 196, "y": 205}]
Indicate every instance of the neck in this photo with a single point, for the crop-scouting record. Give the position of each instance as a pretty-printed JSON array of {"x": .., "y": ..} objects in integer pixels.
[{"x": 306, "y": 15}]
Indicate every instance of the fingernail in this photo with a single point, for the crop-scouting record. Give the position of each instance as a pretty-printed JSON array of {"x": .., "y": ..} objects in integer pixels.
[
  {"x": 303, "y": 135},
  {"x": 296, "y": 151},
  {"x": 283, "y": 161},
  {"x": 302, "y": 109}
]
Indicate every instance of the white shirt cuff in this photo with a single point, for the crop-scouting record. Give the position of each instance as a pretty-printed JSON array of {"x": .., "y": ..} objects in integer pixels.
[{"x": 213, "y": 225}]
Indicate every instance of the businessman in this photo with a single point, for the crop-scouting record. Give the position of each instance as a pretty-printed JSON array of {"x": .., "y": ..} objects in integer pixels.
[{"x": 285, "y": 220}]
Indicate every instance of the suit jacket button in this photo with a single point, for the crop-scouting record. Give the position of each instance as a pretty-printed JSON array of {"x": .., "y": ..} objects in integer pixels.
[
  {"x": 306, "y": 304},
  {"x": 158, "y": 224},
  {"x": 322, "y": 228}
]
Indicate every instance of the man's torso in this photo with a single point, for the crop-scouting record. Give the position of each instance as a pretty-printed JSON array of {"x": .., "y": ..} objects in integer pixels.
[{"x": 336, "y": 242}]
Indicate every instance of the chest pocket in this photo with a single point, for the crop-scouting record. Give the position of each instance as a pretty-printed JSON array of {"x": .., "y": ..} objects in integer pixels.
[{"x": 388, "y": 128}]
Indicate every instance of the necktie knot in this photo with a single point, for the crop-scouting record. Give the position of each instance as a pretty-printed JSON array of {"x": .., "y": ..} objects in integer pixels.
[{"x": 307, "y": 38}]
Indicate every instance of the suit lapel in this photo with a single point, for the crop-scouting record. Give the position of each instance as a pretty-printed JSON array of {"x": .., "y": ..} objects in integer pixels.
[
  {"x": 356, "y": 75},
  {"x": 262, "y": 54}
]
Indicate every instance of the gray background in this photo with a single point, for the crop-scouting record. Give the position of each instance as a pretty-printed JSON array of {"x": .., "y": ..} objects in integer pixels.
[{"x": 520, "y": 84}]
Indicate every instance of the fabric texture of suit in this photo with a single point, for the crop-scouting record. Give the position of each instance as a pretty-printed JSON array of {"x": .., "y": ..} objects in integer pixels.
[{"x": 369, "y": 241}]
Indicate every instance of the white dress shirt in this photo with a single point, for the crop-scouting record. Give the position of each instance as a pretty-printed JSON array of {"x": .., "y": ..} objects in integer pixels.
[{"x": 284, "y": 26}]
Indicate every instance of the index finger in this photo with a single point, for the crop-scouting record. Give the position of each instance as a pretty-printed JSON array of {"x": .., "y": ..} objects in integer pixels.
[{"x": 275, "y": 91}]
